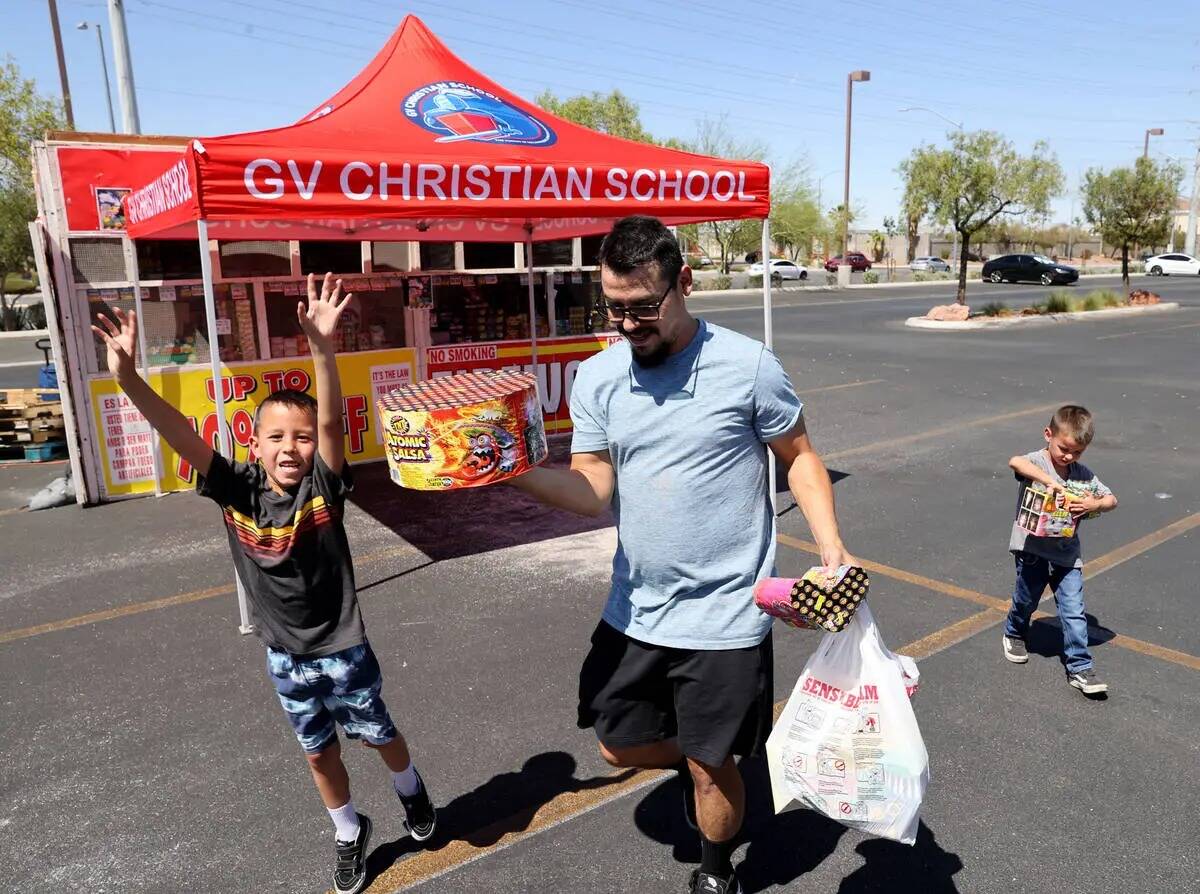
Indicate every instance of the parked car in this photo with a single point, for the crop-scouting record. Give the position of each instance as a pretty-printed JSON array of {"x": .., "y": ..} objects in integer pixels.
[
  {"x": 1028, "y": 268},
  {"x": 1165, "y": 265},
  {"x": 932, "y": 264},
  {"x": 781, "y": 268},
  {"x": 856, "y": 259},
  {"x": 700, "y": 260}
]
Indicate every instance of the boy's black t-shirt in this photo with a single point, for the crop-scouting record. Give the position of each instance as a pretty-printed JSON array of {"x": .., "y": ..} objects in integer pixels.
[{"x": 291, "y": 553}]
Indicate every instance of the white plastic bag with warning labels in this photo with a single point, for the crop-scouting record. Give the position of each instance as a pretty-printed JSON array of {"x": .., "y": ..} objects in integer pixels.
[{"x": 847, "y": 743}]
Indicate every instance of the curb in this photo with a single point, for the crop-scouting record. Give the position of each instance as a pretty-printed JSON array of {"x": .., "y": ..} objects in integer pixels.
[
  {"x": 791, "y": 289},
  {"x": 1042, "y": 319},
  {"x": 25, "y": 333}
]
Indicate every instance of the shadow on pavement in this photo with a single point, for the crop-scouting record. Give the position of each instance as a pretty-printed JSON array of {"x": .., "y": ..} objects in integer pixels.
[
  {"x": 466, "y": 522},
  {"x": 1046, "y": 639},
  {"x": 923, "y": 868},
  {"x": 505, "y": 803},
  {"x": 784, "y": 848}
]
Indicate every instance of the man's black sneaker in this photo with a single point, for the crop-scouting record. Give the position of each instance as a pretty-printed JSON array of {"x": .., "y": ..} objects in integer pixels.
[
  {"x": 1014, "y": 650},
  {"x": 705, "y": 883},
  {"x": 420, "y": 814},
  {"x": 1087, "y": 682},
  {"x": 350, "y": 874}
]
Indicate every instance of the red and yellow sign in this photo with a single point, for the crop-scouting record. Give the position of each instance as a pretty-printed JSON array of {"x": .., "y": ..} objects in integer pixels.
[{"x": 127, "y": 443}]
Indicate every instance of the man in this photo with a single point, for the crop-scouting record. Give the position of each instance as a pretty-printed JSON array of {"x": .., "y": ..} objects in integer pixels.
[{"x": 670, "y": 427}]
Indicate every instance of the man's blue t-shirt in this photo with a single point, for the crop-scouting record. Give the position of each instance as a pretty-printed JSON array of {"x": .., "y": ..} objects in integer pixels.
[{"x": 695, "y": 529}]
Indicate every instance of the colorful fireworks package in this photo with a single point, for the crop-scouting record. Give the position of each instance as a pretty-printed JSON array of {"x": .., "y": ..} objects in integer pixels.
[
  {"x": 820, "y": 600},
  {"x": 464, "y": 430},
  {"x": 1047, "y": 513}
]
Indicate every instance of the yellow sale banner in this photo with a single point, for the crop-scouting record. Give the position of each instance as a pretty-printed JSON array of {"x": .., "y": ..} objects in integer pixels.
[{"x": 126, "y": 447}]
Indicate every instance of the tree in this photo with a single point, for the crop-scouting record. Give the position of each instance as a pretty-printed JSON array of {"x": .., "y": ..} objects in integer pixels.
[
  {"x": 1132, "y": 206},
  {"x": 978, "y": 179},
  {"x": 614, "y": 114},
  {"x": 795, "y": 217},
  {"x": 713, "y": 137},
  {"x": 914, "y": 210},
  {"x": 24, "y": 117}
]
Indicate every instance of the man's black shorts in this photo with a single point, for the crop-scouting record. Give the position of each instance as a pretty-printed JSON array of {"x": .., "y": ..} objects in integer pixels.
[{"x": 718, "y": 702}]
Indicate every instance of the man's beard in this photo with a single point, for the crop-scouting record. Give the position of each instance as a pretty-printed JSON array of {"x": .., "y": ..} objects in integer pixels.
[{"x": 652, "y": 357}]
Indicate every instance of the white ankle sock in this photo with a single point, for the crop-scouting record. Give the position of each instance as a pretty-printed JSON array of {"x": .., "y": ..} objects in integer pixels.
[
  {"x": 345, "y": 821},
  {"x": 405, "y": 782}
]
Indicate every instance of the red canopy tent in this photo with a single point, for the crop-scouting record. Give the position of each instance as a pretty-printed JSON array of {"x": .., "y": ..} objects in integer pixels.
[
  {"x": 420, "y": 143},
  {"x": 420, "y": 146}
]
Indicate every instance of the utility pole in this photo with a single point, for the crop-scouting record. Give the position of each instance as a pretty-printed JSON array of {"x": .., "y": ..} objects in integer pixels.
[
  {"x": 62, "y": 66},
  {"x": 124, "y": 66},
  {"x": 83, "y": 26},
  {"x": 1193, "y": 210}
]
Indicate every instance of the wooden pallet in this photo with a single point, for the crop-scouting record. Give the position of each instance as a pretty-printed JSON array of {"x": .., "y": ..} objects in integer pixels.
[{"x": 28, "y": 397}]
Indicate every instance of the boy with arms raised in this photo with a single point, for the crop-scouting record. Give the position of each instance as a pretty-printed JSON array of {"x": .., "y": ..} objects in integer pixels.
[{"x": 283, "y": 515}]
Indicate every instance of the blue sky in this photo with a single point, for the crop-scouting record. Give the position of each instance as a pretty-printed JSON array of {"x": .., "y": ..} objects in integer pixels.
[{"x": 1087, "y": 77}]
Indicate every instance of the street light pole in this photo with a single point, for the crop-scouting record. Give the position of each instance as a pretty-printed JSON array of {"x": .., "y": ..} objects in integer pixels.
[
  {"x": 1150, "y": 132},
  {"x": 850, "y": 79},
  {"x": 959, "y": 127},
  {"x": 83, "y": 26}
]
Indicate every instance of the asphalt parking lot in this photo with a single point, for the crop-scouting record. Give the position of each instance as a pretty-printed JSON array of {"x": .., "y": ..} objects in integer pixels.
[{"x": 144, "y": 750}]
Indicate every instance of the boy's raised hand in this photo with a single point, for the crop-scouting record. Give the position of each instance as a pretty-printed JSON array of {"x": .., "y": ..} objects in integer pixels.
[
  {"x": 320, "y": 319},
  {"x": 121, "y": 342}
]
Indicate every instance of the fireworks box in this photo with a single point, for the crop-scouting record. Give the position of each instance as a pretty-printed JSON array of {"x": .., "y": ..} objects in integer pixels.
[
  {"x": 464, "y": 430},
  {"x": 1046, "y": 513}
]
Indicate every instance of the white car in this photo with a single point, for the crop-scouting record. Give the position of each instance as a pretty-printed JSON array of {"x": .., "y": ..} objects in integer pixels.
[
  {"x": 782, "y": 268},
  {"x": 1163, "y": 265},
  {"x": 937, "y": 265}
]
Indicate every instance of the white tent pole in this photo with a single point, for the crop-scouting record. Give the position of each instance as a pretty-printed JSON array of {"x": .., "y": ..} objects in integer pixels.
[
  {"x": 533, "y": 345},
  {"x": 769, "y": 341},
  {"x": 155, "y": 446},
  {"x": 214, "y": 357}
]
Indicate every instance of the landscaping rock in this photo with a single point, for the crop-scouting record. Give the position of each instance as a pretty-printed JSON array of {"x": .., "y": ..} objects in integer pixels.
[
  {"x": 1144, "y": 296},
  {"x": 946, "y": 312}
]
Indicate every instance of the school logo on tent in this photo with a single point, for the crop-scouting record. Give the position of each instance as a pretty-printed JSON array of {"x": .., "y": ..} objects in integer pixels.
[{"x": 459, "y": 112}]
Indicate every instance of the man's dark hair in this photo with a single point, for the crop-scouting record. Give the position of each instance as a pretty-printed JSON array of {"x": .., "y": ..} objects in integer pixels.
[
  {"x": 297, "y": 400},
  {"x": 638, "y": 240}
]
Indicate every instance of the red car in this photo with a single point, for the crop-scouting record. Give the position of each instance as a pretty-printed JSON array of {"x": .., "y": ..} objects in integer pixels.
[{"x": 856, "y": 259}]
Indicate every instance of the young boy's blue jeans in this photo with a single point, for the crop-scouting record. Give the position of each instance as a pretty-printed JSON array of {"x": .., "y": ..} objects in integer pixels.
[{"x": 1033, "y": 574}]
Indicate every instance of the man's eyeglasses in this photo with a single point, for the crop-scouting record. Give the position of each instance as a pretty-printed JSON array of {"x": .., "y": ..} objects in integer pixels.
[{"x": 639, "y": 313}]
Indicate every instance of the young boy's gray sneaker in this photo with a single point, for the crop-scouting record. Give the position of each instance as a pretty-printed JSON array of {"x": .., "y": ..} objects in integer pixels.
[
  {"x": 1087, "y": 682},
  {"x": 1014, "y": 650}
]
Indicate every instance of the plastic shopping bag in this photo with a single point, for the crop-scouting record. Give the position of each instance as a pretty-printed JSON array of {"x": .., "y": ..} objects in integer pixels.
[{"x": 847, "y": 743}]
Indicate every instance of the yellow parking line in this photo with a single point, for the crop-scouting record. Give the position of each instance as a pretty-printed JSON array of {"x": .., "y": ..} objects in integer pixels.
[
  {"x": 953, "y": 634},
  {"x": 1142, "y": 544},
  {"x": 919, "y": 580},
  {"x": 939, "y": 431},
  {"x": 426, "y": 865},
  {"x": 109, "y": 614},
  {"x": 976, "y": 623},
  {"x": 136, "y": 608}
]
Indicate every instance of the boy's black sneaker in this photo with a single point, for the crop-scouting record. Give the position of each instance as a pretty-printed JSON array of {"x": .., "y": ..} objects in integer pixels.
[
  {"x": 1015, "y": 651},
  {"x": 706, "y": 883},
  {"x": 1087, "y": 682},
  {"x": 350, "y": 873},
  {"x": 420, "y": 814}
]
